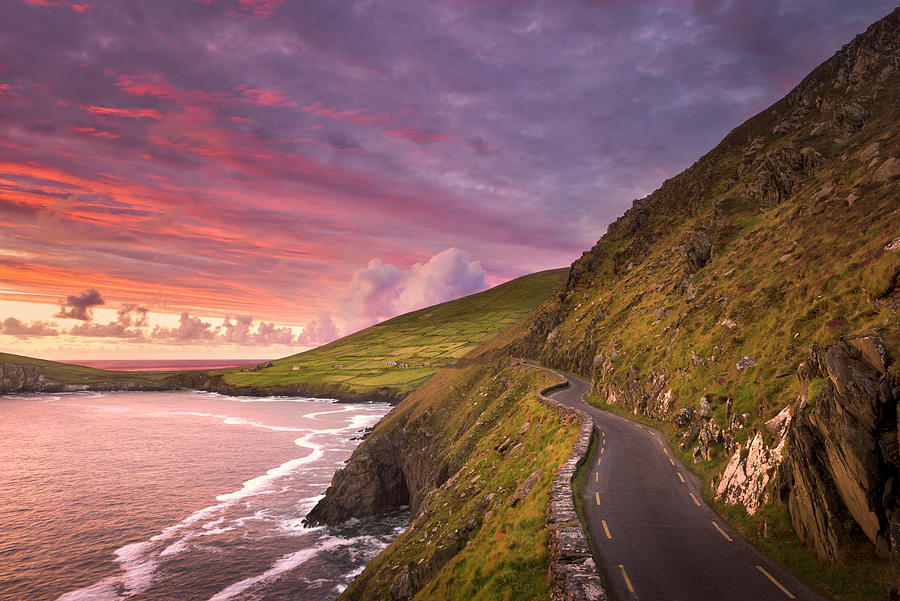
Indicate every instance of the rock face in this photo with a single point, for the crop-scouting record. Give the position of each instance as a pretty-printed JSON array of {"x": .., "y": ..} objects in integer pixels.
[
  {"x": 16, "y": 377},
  {"x": 842, "y": 468}
]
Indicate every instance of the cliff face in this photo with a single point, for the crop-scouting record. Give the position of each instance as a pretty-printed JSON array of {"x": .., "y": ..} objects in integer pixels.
[
  {"x": 474, "y": 454},
  {"x": 840, "y": 479},
  {"x": 698, "y": 304}
]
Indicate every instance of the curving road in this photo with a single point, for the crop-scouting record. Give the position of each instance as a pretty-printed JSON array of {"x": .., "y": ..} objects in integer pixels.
[{"x": 652, "y": 532}]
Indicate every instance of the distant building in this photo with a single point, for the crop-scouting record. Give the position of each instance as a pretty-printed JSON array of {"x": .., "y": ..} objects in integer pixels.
[
  {"x": 403, "y": 365},
  {"x": 295, "y": 368},
  {"x": 338, "y": 366},
  {"x": 391, "y": 364}
]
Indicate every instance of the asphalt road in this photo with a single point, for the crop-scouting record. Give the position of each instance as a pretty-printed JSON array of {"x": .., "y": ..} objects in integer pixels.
[{"x": 655, "y": 538}]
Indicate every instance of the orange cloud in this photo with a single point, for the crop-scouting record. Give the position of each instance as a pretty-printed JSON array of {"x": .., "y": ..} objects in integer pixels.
[{"x": 127, "y": 113}]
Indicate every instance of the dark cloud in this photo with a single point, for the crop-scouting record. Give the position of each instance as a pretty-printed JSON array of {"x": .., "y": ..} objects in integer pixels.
[
  {"x": 14, "y": 327},
  {"x": 80, "y": 306}
]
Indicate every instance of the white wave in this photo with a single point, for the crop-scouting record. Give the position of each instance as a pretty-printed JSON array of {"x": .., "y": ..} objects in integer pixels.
[
  {"x": 137, "y": 577},
  {"x": 281, "y": 565},
  {"x": 230, "y": 420},
  {"x": 260, "y": 483}
]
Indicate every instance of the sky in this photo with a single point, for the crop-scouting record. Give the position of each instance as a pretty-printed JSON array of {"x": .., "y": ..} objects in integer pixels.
[{"x": 249, "y": 178}]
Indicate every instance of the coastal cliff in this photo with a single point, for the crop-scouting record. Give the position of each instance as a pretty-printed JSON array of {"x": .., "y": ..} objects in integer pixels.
[
  {"x": 474, "y": 454},
  {"x": 751, "y": 306}
]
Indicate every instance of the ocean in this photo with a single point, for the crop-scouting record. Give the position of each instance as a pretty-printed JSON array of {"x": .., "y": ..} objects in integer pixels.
[{"x": 177, "y": 496}]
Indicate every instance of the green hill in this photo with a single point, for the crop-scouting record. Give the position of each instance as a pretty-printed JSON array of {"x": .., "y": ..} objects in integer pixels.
[
  {"x": 385, "y": 361},
  {"x": 764, "y": 280},
  {"x": 396, "y": 356}
]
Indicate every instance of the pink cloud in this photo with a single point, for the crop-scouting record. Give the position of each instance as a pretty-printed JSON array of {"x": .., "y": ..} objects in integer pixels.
[
  {"x": 264, "y": 97},
  {"x": 381, "y": 290},
  {"x": 127, "y": 113},
  {"x": 81, "y": 8},
  {"x": 418, "y": 136}
]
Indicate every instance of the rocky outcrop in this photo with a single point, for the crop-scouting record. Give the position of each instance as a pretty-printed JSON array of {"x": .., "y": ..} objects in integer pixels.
[
  {"x": 15, "y": 377},
  {"x": 751, "y": 468},
  {"x": 841, "y": 473},
  {"x": 778, "y": 173},
  {"x": 573, "y": 572}
]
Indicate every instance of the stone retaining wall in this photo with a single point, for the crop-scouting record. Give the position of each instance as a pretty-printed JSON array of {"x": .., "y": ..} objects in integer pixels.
[{"x": 572, "y": 569}]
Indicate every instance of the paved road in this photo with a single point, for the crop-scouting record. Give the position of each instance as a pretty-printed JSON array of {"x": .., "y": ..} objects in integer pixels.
[{"x": 655, "y": 537}]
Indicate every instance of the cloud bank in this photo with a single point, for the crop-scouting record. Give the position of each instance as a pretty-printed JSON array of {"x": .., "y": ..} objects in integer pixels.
[{"x": 381, "y": 290}]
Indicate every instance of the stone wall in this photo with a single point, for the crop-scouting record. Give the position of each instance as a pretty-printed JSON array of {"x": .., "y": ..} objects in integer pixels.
[{"x": 572, "y": 569}]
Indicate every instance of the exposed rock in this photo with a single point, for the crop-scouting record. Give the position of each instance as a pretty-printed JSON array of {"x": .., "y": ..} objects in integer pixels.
[
  {"x": 849, "y": 119},
  {"x": 869, "y": 152},
  {"x": 744, "y": 480},
  {"x": 746, "y": 363},
  {"x": 525, "y": 488},
  {"x": 684, "y": 416},
  {"x": 779, "y": 172},
  {"x": 778, "y": 425},
  {"x": 888, "y": 170},
  {"x": 729, "y": 323},
  {"x": 843, "y": 452}
]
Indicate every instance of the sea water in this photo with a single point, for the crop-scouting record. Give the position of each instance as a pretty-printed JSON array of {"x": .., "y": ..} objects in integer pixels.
[{"x": 177, "y": 495}]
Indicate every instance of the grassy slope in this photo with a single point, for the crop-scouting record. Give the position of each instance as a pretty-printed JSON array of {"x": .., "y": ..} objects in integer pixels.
[
  {"x": 471, "y": 411},
  {"x": 78, "y": 374},
  {"x": 437, "y": 336},
  {"x": 807, "y": 270},
  {"x": 426, "y": 340}
]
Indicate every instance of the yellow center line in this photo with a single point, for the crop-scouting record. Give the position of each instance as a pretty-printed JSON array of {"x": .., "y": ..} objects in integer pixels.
[
  {"x": 722, "y": 532},
  {"x": 775, "y": 582},
  {"x": 665, "y": 450},
  {"x": 672, "y": 462},
  {"x": 606, "y": 529},
  {"x": 599, "y": 459},
  {"x": 596, "y": 476},
  {"x": 627, "y": 580},
  {"x": 601, "y": 450},
  {"x": 680, "y": 477},
  {"x": 597, "y": 497},
  {"x": 696, "y": 502}
]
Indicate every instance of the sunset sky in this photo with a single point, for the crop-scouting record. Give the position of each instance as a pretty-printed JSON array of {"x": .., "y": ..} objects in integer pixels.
[{"x": 248, "y": 178}]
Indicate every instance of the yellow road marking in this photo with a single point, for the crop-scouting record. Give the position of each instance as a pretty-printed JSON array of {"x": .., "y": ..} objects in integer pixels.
[
  {"x": 599, "y": 459},
  {"x": 597, "y": 497},
  {"x": 680, "y": 477},
  {"x": 606, "y": 529},
  {"x": 627, "y": 580},
  {"x": 696, "y": 502},
  {"x": 775, "y": 582},
  {"x": 596, "y": 476},
  {"x": 601, "y": 450},
  {"x": 722, "y": 532},
  {"x": 672, "y": 462}
]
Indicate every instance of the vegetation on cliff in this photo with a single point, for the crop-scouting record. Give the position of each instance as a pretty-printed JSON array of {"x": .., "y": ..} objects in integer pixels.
[
  {"x": 699, "y": 306},
  {"x": 475, "y": 453}
]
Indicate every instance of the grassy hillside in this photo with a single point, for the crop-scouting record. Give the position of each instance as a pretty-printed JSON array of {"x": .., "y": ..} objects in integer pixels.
[
  {"x": 79, "y": 375},
  {"x": 707, "y": 294},
  {"x": 400, "y": 354},
  {"x": 387, "y": 360},
  {"x": 463, "y": 445}
]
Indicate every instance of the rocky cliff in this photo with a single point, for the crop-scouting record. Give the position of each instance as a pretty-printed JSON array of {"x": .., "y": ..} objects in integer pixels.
[
  {"x": 699, "y": 304},
  {"x": 474, "y": 454}
]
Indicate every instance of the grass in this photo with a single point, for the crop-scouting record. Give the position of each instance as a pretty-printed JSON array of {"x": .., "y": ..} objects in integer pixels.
[
  {"x": 424, "y": 340},
  {"x": 811, "y": 269},
  {"x": 468, "y": 413}
]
